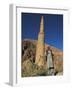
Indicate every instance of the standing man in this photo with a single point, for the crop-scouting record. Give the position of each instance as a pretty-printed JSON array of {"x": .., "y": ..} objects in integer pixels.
[{"x": 50, "y": 63}]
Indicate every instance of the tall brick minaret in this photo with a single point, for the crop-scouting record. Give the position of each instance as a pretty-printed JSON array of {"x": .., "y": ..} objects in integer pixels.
[{"x": 40, "y": 50}]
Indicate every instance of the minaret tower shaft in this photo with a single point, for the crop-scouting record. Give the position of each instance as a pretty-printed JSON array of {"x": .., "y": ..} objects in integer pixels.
[{"x": 40, "y": 50}]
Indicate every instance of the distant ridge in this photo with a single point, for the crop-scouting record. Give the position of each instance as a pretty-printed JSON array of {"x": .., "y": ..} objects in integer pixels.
[{"x": 54, "y": 49}]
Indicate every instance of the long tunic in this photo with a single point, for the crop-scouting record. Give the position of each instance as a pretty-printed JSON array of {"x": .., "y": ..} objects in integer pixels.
[{"x": 50, "y": 65}]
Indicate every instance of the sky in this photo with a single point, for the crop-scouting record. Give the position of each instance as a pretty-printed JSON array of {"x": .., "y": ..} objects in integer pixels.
[{"x": 53, "y": 28}]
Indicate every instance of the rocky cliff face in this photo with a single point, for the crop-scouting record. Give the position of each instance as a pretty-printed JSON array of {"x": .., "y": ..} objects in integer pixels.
[{"x": 28, "y": 58}]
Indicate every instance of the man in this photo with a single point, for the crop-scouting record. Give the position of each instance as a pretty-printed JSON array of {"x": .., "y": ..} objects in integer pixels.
[{"x": 50, "y": 63}]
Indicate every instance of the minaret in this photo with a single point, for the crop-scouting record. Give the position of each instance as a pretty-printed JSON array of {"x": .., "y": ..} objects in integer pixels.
[{"x": 40, "y": 50}]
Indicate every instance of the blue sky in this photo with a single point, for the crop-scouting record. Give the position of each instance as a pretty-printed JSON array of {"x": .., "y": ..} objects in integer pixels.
[{"x": 53, "y": 27}]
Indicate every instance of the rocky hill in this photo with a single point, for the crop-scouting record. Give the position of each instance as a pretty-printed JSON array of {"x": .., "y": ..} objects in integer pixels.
[{"x": 28, "y": 58}]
